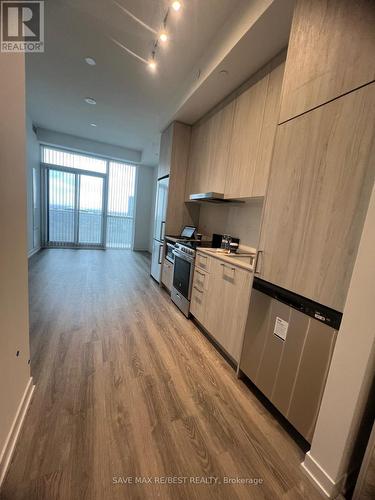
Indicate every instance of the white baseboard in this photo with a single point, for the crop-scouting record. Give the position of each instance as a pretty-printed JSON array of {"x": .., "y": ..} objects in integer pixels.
[
  {"x": 33, "y": 252},
  {"x": 327, "y": 485},
  {"x": 10, "y": 443}
]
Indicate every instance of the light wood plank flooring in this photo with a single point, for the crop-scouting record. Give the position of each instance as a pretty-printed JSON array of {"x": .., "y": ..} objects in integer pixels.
[{"x": 126, "y": 387}]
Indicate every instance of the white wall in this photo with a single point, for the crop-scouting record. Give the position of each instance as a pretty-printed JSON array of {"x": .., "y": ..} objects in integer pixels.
[
  {"x": 81, "y": 144},
  {"x": 33, "y": 162},
  {"x": 241, "y": 221},
  {"x": 350, "y": 377},
  {"x": 14, "y": 322},
  {"x": 144, "y": 208}
]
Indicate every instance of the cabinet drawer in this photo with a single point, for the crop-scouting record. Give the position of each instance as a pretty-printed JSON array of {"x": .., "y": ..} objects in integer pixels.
[
  {"x": 167, "y": 275},
  {"x": 203, "y": 262},
  {"x": 197, "y": 304},
  {"x": 199, "y": 295},
  {"x": 200, "y": 279}
]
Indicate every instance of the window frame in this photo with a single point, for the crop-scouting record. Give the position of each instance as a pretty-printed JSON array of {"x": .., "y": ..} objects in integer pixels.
[{"x": 44, "y": 167}]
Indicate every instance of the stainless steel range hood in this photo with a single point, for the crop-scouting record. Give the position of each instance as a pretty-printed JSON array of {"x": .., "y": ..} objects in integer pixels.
[{"x": 212, "y": 197}]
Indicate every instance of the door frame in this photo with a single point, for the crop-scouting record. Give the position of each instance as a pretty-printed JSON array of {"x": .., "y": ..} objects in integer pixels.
[{"x": 45, "y": 169}]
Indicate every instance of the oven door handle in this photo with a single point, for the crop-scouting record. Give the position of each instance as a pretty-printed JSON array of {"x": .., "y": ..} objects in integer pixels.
[{"x": 183, "y": 256}]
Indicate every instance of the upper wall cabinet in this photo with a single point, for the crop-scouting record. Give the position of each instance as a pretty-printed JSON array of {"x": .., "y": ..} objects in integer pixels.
[
  {"x": 209, "y": 152},
  {"x": 165, "y": 151},
  {"x": 255, "y": 120},
  {"x": 244, "y": 144},
  {"x": 231, "y": 148},
  {"x": 331, "y": 52},
  {"x": 321, "y": 178},
  {"x": 174, "y": 153},
  {"x": 220, "y": 133}
]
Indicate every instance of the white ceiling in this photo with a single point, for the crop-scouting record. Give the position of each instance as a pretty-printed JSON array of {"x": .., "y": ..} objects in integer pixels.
[{"x": 133, "y": 105}]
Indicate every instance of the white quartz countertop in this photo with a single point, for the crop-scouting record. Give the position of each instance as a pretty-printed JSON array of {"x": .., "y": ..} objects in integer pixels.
[{"x": 243, "y": 261}]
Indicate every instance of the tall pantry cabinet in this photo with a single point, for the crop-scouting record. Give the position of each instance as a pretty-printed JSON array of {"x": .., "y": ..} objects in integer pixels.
[
  {"x": 321, "y": 179},
  {"x": 331, "y": 52},
  {"x": 323, "y": 163}
]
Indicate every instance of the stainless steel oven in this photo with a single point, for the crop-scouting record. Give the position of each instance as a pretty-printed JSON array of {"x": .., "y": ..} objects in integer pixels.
[{"x": 183, "y": 271}]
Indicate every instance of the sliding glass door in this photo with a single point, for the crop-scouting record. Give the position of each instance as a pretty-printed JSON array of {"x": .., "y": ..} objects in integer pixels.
[
  {"x": 88, "y": 201},
  {"x": 75, "y": 209},
  {"x": 61, "y": 213},
  {"x": 91, "y": 210}
]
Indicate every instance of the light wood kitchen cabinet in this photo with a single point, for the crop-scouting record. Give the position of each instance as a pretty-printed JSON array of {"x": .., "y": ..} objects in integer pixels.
[
  {"x": 267, "y": 132},
  {"x": 244, "y": 144},
  {"x": 165, "y": 155},
  {"x": 220, "y": 301},
  {"x": 220, "y": 134},
  {"x": 322, "y": 174},
  {"x": 213, "y": 303},
  {"x": 255, "y": 121},
  {"x": 199, "y": 295},
  {"x": 209, "y": 152},
  {"x": 227, "y": 317},
  {"x": 197, "y": 175},
  {"x": 178, "y": 212},
  {"x": 331, "y": 52},
  {"x": 231, "y": 147},
  {"x": 167, "y": 274},
  {"x": 203, "y": 261}
]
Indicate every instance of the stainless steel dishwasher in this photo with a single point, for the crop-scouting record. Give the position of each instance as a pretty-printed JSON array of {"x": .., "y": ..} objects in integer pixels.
[{"x": 287, "y": 350}]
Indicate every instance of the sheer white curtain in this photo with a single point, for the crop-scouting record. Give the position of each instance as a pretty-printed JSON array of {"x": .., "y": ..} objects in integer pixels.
[{"x": 121, "y": 202}]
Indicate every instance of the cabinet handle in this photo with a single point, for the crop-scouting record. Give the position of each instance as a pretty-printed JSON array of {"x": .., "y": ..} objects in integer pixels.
[
  {"x": 259, "y": 253},
  {"x": 228, "y": 267},
  {"x": 161, "y": 230},
  {"x": 199, "y": 272},
  {"x": 160, "y": 249},
  {"x": 197, "y": 289},
  {"x": 203, "y": 256}
]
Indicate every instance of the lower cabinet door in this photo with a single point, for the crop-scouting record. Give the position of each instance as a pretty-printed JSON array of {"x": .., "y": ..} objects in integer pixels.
[
  {"x": 235, "y": 293},
  {"x": 227, "y": 305}
]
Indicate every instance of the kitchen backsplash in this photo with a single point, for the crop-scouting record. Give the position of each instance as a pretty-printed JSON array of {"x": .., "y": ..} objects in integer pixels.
[{"x": 241, "y": 221}]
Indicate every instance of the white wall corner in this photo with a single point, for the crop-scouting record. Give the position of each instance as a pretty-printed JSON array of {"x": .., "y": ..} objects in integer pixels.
[
  {"x": 326, "y": 484},
  {"x": 11, "y": 441}
]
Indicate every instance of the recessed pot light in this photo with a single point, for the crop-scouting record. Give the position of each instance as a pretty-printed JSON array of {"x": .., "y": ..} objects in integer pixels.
[
  {"x": 90, "y": 61},
  {"x": 90, "y": 100},
  {"x": 93, "y": 124}
]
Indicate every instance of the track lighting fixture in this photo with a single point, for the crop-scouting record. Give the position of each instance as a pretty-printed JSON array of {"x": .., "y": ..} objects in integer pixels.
[
  {"x": 163, "y": 36},
  {"x": 176, "y": 5}
]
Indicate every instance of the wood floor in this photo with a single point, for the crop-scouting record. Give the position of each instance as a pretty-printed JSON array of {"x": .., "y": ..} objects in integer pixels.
[{"x": 127, "y": 388}]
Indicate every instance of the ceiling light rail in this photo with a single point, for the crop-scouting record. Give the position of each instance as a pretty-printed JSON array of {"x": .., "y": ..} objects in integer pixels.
[{"x": 163, "y": 36}]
